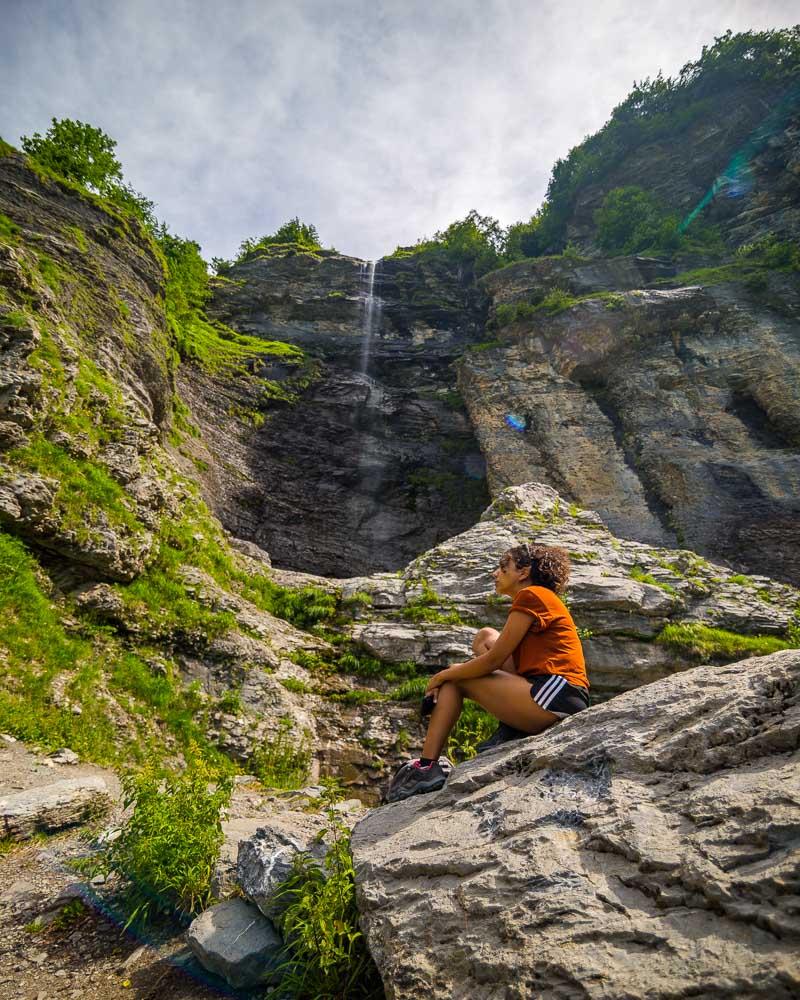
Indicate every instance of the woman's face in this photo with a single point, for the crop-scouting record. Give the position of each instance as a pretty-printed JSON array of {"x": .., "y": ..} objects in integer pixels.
[{"x": 506, "y": 576}]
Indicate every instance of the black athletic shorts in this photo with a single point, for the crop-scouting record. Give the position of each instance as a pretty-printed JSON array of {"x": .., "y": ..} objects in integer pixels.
[{"x": 554, "y": 693}]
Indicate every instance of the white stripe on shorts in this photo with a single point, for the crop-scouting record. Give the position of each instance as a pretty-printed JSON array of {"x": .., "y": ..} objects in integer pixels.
[
  {"x": 545, "y": 689},
  {"x": 553, "y": 692}
]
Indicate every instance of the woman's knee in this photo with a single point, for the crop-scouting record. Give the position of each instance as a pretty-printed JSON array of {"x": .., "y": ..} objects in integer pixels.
[{"x": 484, "y": 639}]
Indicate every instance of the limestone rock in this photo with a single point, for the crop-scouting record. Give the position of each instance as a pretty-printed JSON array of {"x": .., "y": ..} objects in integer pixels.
[
  {"x": 265, "y": 861},
  {"x": 645, "y": 847},
  {"x": 623, "y": 592},
  {"x": 52, "y": 807},
  {"x": 233, "y": 940},
  {"x": 673, "y": 412},
  {"x": 392, "y": 451},
  {"x": 432, "y": 644}
]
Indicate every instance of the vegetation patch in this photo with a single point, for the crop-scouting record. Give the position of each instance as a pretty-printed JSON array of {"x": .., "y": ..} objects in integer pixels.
[
  {"x": 428, "y": 606},
  {"x": 637, "y": 573},
  {"x": 86, "y": 496},
  {"x": 167, "y": 849},
  {"x": 319, "y": 923},
  {"x": 283, "y": 760},
  {"x": 702, "y": 642}
]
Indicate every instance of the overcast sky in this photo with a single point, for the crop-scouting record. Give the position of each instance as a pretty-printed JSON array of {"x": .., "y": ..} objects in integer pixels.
[{"x": 378, "y": 121}]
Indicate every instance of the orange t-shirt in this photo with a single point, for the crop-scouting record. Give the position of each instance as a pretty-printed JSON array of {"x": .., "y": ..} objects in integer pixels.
[{"x": 551, "y": 644}]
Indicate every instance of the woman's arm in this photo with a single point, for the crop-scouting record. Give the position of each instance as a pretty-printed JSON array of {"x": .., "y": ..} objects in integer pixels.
[{"x": 516, "y": 626}]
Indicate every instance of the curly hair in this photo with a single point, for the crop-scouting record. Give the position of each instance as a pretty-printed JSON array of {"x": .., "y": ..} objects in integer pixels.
[{"x": 549, "y": 565}]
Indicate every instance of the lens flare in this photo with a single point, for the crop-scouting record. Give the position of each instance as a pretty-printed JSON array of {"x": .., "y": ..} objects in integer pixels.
[
  {"x": 515, "y": 421},
  {"x": 736, "y": 180}
]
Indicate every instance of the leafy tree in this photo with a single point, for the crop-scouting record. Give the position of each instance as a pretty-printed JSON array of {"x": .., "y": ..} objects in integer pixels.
[
  {"x": 631, "y": 220},
  {"x": 78, "y": 152},
  {"x": 85, "y": 155}
]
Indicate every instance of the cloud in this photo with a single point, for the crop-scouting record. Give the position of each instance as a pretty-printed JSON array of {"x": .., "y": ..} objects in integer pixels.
[{"x": 379, "y": 123}]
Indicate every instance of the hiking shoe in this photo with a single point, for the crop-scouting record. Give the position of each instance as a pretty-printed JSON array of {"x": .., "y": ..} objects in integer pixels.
[
  {"x": 503, "y": 734},
  {"x": 413, "y": 778}
]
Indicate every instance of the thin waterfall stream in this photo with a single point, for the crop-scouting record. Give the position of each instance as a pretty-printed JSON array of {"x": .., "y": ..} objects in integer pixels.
[{"x": 373, "y": 307}]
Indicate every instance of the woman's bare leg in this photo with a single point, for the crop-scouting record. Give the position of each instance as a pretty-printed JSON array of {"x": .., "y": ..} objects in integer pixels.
[
  {"x": 505, "y": 696},
  {"x": 483, "y": 642}
]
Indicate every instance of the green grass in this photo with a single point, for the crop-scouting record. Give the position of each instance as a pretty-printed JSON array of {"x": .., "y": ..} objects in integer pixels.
[
  {"x": 85, "y": 494},
  {"x": 296, "y": 686},
  {"x": 637, "y": 573},
  {"x": 35, "y": 649},
  {"x": 327, "y": 953},
  {"x": 77, "y": 236},
  {"x": 428, "y": 606},
  {"x": 702, "y": 642},
  {"x": 9, "y": 231}
]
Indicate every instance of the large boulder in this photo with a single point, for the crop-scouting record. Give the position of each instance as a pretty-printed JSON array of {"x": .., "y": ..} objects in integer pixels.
[{"x": 646, "y": 847}]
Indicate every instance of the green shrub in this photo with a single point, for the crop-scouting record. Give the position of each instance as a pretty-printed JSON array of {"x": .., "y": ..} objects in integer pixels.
[
  {"x": 292, "y": 233},
  {"x": 328, "y": 957},
  {"x": 284, "y": 760},
  {"x": 474, "y": 725},
  {"x": 411, "y": 689},
  {"x": 557, "y": 300},
  {"x": 167, "y": 848},
  {"x": 631, "y": 220}
]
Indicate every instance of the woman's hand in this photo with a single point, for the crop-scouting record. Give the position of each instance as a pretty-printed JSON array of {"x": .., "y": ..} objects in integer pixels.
[{"x": 435, "y": 681}]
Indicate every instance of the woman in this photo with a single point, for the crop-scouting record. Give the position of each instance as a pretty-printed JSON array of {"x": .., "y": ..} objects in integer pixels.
[{"x": 529, "y": 676}]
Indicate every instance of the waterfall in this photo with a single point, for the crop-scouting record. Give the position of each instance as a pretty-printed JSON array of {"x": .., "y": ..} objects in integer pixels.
[{"x": 372, "y": 311}]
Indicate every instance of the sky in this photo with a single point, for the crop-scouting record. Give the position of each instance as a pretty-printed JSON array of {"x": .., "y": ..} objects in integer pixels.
[{"x": 378, "y": 121}]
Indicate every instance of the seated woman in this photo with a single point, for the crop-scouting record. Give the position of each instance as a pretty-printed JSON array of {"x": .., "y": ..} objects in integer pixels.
[{"x": 529, "y": 676}]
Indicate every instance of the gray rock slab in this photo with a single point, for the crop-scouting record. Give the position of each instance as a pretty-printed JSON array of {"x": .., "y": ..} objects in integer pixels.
[
  {"x": 233, "y": 940},
  {"x": 54, "y": 806},
  {"x": 648, "y": 847}
]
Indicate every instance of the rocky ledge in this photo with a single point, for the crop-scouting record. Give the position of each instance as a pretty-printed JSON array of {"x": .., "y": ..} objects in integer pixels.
[{"x": 647, "y": 847}]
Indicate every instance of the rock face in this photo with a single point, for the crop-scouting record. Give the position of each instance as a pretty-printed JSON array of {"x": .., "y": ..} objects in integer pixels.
[
  {"x": 646, "y": 847},
  {"x": 673, "y": 412},
  {"x": 52, "y": 807},
  {"x": 763, "y": 190},
  {"x": 85, "y": 388},
  {"x": 380, "y": 435}
]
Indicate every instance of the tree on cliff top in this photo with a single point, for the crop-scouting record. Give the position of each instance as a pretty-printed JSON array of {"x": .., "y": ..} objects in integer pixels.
[
  {"x": 77, "y": 151},
  {"x": 84, "y": 155}
]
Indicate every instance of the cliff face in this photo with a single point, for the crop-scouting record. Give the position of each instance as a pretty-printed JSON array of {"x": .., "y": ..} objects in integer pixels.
[
  {"x": 672, "y": 411},
  {"x": 746, "y": 135},
  {"x": 85, "y": 385},
  {"x": 377, "y": 461}
]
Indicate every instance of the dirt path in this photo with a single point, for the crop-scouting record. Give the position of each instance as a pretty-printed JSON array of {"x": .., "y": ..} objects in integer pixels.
[{"x": 83, "y": 954}]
